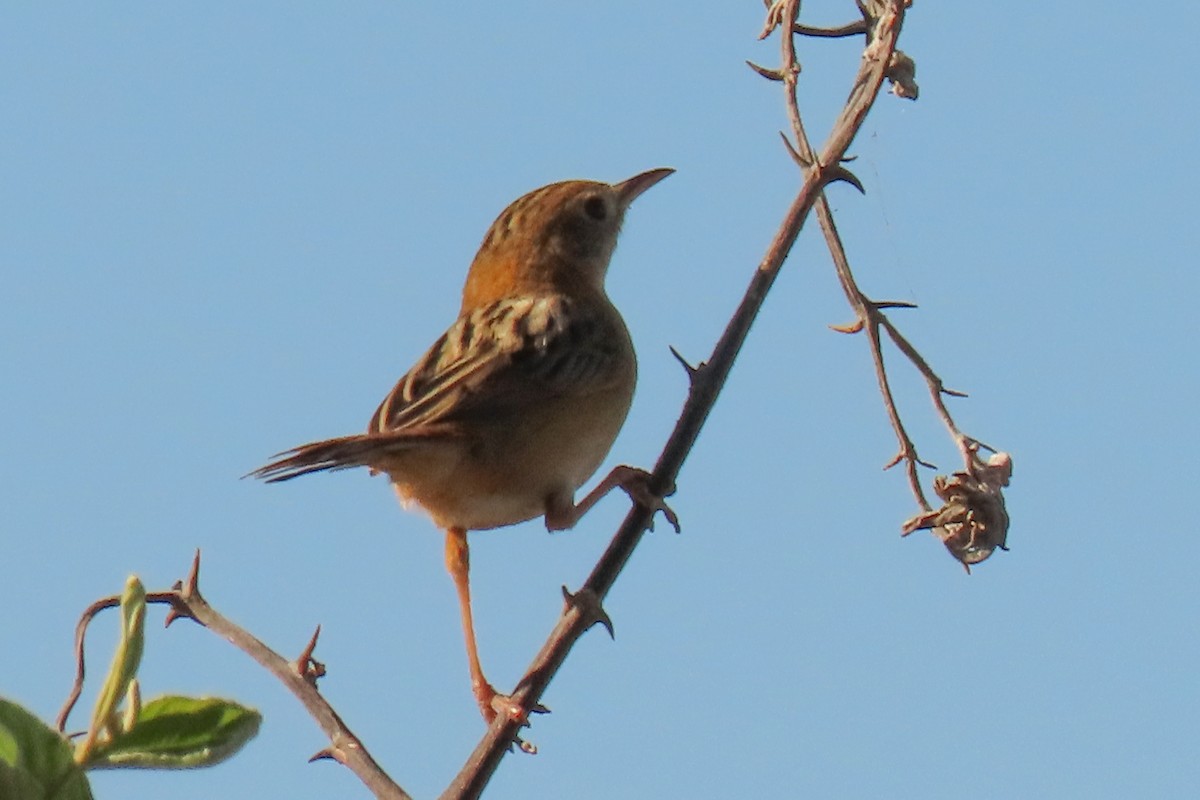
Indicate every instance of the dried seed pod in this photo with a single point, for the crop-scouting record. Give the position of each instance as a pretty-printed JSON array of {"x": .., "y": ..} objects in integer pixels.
[{"x": 972, "y": 522}]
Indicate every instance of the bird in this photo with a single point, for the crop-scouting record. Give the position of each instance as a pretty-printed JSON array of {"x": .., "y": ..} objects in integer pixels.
[{"x": 518, "y": 403}]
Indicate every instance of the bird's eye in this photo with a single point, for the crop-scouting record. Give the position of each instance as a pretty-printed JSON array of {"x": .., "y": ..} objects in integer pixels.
[{"x": 595, "y": 208}]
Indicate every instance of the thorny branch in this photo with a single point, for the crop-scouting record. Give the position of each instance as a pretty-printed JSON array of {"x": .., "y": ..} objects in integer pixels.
[
  {"x": 299, "y": 676},
  {"x": 973, "y": 522}
]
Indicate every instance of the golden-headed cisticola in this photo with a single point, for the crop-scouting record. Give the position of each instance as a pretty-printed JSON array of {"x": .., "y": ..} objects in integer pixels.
[{"x": 519, "y": 402}]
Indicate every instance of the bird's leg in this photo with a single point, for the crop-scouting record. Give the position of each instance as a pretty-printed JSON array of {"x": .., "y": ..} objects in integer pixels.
[
  {"x": 458, "y": 562},
  {"x": 635, "y": 483}
]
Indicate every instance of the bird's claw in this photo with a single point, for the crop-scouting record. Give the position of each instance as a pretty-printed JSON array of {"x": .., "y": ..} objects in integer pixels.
[
  {"x": 492, "y": 703},
  {"x": 636, "y": 483}
]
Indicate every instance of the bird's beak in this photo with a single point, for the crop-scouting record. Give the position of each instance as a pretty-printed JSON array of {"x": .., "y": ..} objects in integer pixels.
[{"x": 628, "y": 191}]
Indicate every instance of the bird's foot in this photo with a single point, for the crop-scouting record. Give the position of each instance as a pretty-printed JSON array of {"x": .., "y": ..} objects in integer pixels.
[
  {"x": 492, "y": 704},
  {"x": 636, "y": 483}
]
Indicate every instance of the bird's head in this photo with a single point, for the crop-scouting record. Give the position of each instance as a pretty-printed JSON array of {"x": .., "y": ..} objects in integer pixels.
[{"x": 553, "y": 238}]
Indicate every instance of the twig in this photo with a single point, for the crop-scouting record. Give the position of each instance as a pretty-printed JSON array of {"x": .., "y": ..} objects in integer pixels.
[
  {"x": 869, "y": 319},
  {"x": 80, "y": 635},
  {"x": 707, "y": 380},
  {"x": 869, "y": 314},
  {"x": 299, "y": 677}
]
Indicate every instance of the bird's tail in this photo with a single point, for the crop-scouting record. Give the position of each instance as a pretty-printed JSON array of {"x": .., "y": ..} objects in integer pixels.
[{"x": 344, "y": 452}]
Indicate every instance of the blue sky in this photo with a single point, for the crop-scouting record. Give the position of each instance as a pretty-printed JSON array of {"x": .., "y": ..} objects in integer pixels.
[{"x": 229, "y": 228}]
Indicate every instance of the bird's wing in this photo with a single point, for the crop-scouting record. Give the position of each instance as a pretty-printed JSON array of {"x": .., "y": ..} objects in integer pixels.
[{"x": 512, "y": 352}]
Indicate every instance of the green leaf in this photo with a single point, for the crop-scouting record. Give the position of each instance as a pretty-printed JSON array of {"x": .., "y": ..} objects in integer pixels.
[
  {"x": 180, "y": 733},
  {"x": 128, "y": 656},
  {"x": 125, "y": 663},
  {"x": 35, "y": 760}
]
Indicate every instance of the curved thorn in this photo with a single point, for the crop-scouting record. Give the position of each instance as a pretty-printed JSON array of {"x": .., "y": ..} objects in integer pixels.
[
  {"x": 305, "y": 665},
  {"x": 326, "y": 754},
  {"x": 191, "y": 587},
  {"x": 849, "y": 29},
  {"x": 178, "y": 607},
  {"x": 840, "y": 173},
  {"x": 882, "y": 304},
  {"x": 688, "y": 368},
  {"x": 307, "y": 652},
  {"x": 850, "y": 327},
  {"x": 954, "y": 392},
  {"x": 769, "y": 74},
  {"x": 589, "y": 607},
  {"x": 605, "y": 620},
  {"x": 800, "y": 160},
  {"x": 774, "y": 18},
  {"x": 848, "y": 159}
]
